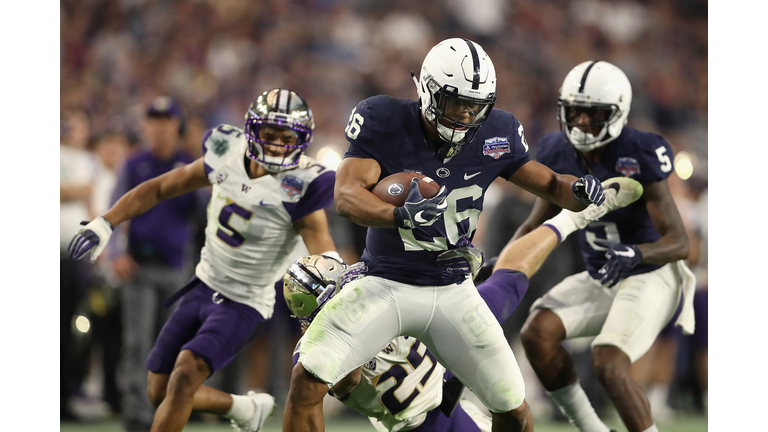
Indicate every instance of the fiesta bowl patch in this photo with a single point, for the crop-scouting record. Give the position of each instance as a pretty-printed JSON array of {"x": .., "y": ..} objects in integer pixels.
[
  {"x": 495, "y": 147},
  {"x": 292, "y": 185},
  {"x": 628, "y": 166}
]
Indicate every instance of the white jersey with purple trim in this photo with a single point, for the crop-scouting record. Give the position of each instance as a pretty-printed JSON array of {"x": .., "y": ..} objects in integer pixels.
[
  {"x": 250, "y": 237},
  {"x": 399, "y": 386}
]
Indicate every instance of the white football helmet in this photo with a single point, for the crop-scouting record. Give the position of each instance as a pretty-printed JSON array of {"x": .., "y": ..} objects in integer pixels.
[
  {"x": 457, "y": 90},
  {"x": 601, "y": 90}
]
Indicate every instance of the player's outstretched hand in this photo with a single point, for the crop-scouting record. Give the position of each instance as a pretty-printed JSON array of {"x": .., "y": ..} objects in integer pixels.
[
  {"x": 351, "y": 273},
  {"x": 419, "y": 211},
  {"x": 621, "y": 259},
  {"x": 93, "y": 237},
  {"x": 464, "y": 260},
  {"x": 588, "y": 190}
]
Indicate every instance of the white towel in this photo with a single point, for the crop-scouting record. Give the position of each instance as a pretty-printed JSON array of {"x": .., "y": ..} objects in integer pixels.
[{"x": 688, "y": 282}]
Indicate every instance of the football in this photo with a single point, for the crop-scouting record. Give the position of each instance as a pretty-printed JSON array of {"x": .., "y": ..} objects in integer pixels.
[{"x": 394, "y": 188}]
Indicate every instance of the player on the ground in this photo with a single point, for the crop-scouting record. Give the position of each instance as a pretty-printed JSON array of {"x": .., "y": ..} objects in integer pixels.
[
  {"x": 635, "y": 275},
  {"x": 419, "y": 256},
  {"x": 267, "y": 196},
  {"x": 402, "y": 387}
]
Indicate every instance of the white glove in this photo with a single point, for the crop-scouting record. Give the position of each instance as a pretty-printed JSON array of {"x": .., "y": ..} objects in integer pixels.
[{"x": 93, "y": 237}]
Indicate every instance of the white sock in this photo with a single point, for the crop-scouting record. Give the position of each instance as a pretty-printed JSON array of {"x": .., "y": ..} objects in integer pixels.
[
  {"x": 573, "y": 402},
  {"x": 242, "y": 409},
  {"x": 562, "y": 224},
  {"x": 653, "y": 428}
]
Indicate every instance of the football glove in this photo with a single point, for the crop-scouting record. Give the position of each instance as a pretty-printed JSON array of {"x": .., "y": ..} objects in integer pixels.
[
  {"x": 353, "y": 272},
  {"x": 93, "y": 237},
  {"x": 621, "y": 259},
  {"x": 588, "y": 190},
  {"x": 466, "y": 259},
  {"x": 419, "y": 211}
]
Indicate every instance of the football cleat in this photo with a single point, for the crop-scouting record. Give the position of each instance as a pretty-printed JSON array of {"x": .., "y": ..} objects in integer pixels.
[
  {"x": 619, "y": 192},
  {"x": 265, "y": 404}
]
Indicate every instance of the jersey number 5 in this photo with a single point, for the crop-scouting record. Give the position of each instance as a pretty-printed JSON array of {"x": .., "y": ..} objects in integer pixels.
[{"x": 235, "y": 239}]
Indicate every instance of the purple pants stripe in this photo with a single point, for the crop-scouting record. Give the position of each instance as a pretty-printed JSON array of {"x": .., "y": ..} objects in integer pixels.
[
  {"x": 208, "y": 324},
  {"x": 436, "y": 421}
]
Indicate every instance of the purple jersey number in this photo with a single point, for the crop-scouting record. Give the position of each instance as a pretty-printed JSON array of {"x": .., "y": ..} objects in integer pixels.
[
  {"x": 235, "y": 239},
  {"x": 393, "y": 404}
]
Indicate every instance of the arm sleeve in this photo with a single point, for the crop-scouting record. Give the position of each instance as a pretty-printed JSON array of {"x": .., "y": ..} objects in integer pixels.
[
  {"x": 207, "y": 167},
  {"x": 319, "y": 195},
  {"x": 520, "y": 154},
  {"x": 657, "y": 161}
]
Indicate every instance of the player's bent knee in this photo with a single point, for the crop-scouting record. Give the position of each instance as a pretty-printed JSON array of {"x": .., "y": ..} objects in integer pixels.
[
  {"x": 542, "y": 326},
  {"x": 609, "y": 363},
  {"x": 156, "y": 387},
  {"x": 190, "y": 370},
  {"x": 305, "y": 389}
]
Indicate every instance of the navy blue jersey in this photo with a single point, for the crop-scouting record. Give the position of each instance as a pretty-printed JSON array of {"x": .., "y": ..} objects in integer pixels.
[
  {"x": 389, "y": 130},
  {"x": 643, "y": 156}
]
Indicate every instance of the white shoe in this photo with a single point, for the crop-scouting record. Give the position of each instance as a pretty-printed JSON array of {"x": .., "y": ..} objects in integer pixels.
[
  {"x": 619, "y": 192},
  {"x": 265, "y": 403}
]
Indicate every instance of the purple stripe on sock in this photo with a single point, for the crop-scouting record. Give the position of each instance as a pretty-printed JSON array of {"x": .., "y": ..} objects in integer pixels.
[{"x": 559, "y": 237}]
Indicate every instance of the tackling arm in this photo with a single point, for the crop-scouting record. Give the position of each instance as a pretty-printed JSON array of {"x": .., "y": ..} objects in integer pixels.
[
  {"x": 355, "y": 177},
  {"x": 313, "y": 228},
  {"x": 542, "y": 211},
  {"x": 545, "y": 183},
  {"x": 673, "y": 244},
  {"x": 149, "y": 193}
]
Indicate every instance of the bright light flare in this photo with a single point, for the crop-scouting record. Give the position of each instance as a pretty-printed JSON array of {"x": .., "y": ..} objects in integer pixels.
[
  {"x": 683, "y": 165},
  {"x": 82, "y": 324},
  {"x": 329, "y": 157}
]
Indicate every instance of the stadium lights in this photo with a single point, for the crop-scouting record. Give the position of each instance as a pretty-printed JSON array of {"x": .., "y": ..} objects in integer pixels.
[
  {"x": 683, "y": 165},
  {"x": 82, "y": 324},
  {"x": 329, "y": 156}
]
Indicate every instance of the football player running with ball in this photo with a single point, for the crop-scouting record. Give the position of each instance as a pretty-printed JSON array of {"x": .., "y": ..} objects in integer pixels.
[
  {"x": 267, "y": 196},
  {"x": 635, "y": 279},
  {"x": 419, "y": 256},
  {"x": 403, "y": 387}
]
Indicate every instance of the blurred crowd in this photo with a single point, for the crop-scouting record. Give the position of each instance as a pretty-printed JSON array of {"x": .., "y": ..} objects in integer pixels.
[{"x": 214, "y": 56}]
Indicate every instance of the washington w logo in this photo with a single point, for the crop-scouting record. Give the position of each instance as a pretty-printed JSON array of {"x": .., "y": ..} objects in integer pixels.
[{"x": 246, "y": 188}]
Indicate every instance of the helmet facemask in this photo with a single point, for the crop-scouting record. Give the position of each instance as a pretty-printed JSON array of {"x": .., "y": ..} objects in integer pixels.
[
  {"x": 281, "y": 109},
  {"x": 457, "y": 91},
  {"x": 603, "y": 92},
  {"x": 309, "y": 284},
  {"x": 456, "y": 118},
  {"x": 601, "y": 117}
]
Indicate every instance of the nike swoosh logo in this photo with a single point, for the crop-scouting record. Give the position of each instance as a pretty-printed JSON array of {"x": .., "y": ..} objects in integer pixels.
[
  {"x": 467, "y": 177},
  {"x": 262, "y": 203},
  {"x": 629, "y": 253},
  {"x": 418, "y": 217}
]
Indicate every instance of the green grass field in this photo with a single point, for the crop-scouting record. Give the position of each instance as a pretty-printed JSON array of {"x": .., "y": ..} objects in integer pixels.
[{"x": 352, "y": 424}]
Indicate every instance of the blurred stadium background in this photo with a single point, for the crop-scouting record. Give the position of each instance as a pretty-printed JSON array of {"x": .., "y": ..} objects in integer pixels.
[{"x": 215, "y": 56}]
